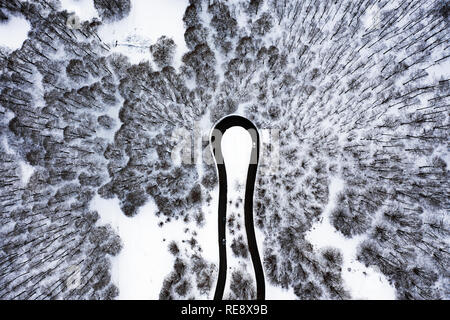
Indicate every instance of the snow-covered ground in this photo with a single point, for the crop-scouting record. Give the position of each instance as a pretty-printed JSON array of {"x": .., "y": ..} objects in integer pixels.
[
  {"x": 26, "y": 171},
  {"x": 362, "y": 282},
  {"x": 148, "y": 20},
  {"x": 144, "y": 261},
  {"x": 84, "y": 9},
  {"x": 14, "y": 32},
  {"x": 236, "y": 150}
]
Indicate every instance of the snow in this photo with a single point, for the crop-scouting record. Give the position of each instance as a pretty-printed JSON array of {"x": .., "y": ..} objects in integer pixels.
[
  {"x": 236, "y": 150},
  {"x": 27, "y": 171},
  {"x": 371, "y": 19},
  {"x": 278, "y": 293},
  {"x": 14, "y": 32},
  {"x": 207, "y": 235},
  {"x": 440, "y": 71},
  {"x": 148, "y": 20},
  {"x": 84, "y": 9},
  {"x": 144, "y": 261},
  {"x": 362, "y": 282},
  {"x": 444, "y": 153},
  {"x": 6, "y": 146}
]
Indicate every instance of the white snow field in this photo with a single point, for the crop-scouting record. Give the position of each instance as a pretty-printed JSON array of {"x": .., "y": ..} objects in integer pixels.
[
  {"x": 148, "y": 20},
  {"x": 140, "y": 267},
  {"x": 26, "y": 171},
  {"x": 14, "y": 32},
  {"x": 84, "y": 9}
]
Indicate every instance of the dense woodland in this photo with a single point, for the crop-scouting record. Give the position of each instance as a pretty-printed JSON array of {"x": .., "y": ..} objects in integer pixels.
[{"x": 359, "y": 90}]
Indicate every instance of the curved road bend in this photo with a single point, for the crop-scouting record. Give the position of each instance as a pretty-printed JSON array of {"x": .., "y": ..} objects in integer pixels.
[{"x": 216, "y": 140}]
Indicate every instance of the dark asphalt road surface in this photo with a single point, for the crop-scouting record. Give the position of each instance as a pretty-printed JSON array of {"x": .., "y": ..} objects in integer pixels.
[{"x": 216, "y": 139}]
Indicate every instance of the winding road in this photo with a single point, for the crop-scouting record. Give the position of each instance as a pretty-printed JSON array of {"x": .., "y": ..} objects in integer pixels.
[{"x": 216, "y": 139}]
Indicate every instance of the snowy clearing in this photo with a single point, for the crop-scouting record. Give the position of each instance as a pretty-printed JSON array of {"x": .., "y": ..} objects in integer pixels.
[
  {"x": 148, "y": 20},
  {"x": 14, "y": 32},
  {"x": 84, "y": 9},
  {"x": 140, "y": 267},
  {"x": 27, "y": 171}
]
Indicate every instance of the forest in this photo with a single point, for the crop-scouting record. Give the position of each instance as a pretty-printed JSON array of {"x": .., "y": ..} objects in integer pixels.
[{"x": 357, "y": 89}]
